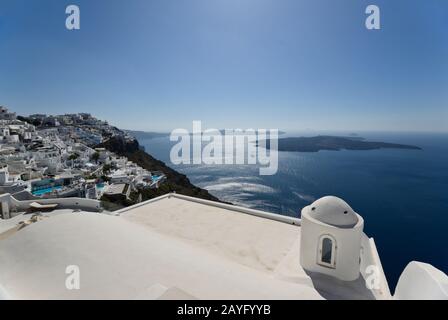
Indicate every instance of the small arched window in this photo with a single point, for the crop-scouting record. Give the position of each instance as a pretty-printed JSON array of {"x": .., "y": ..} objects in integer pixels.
[{"x": 326, "y": 255}]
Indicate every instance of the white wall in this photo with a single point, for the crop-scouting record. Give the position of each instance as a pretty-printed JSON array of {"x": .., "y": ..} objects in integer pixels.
[
  {"x": 371, "y": 267},
  {"x": 4, "y": 177},
  {"x": 422, "y": 281},
  {"x": 16, "y": 206},
  {"x": 348, "y": 241},
  {"x": 4, "y": 200},
  {"x": 13, "y": 138},
  {"x": 120, "y": 179}
]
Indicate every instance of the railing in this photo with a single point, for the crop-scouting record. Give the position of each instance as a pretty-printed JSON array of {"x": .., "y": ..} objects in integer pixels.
[{"x": 253, "y": 212}]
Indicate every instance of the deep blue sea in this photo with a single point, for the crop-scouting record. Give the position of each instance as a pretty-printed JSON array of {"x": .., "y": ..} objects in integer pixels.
[{"x": 402, "y": 194}]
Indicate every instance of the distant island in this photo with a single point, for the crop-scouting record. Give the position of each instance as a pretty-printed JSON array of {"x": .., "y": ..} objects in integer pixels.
[
  {"x": 153, "y": 135},
  {"x": 334, "y": 143},
  {"x": 146, "y": 135}
]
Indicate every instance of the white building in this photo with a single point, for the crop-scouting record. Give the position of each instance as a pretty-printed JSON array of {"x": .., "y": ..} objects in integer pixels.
[
  {"x": 331, "y": 239},
  {"x": 6, "y": 115},
  {"x": 4, "y": 176},
  {"x": 178, "y": 247},
  {"x": 4, "y": 131},
  {"x": 7, "y": 179},
  {"x": 13, "y": 138}
]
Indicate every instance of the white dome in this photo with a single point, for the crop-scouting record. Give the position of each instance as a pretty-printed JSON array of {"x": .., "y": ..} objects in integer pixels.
[{"x": 333, "y": 211}]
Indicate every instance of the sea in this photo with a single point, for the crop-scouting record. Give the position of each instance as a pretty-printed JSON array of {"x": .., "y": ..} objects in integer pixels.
[{"x": 401, "y": 194}]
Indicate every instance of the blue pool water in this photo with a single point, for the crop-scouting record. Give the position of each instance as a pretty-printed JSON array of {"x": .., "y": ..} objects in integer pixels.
[
  {"x": 402, "y": 194},
  {"x": 46, "y": 190}
]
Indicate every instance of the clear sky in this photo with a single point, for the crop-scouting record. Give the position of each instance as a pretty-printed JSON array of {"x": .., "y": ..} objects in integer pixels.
[{"x": 288, "y": 64}]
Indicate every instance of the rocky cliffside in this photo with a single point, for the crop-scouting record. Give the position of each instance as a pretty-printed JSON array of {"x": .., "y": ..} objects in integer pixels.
[{"x": 176, "y": 182}]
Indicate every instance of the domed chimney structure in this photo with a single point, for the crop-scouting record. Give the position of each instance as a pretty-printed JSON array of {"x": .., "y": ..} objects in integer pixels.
[{"x": 331, "y": 234}]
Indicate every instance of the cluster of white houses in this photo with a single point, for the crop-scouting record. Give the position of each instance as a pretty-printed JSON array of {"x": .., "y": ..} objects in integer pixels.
[{"x": 58, "y": 160}]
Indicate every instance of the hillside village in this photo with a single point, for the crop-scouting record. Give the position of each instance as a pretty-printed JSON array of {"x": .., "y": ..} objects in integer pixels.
[{"x": 47, "y": 157}]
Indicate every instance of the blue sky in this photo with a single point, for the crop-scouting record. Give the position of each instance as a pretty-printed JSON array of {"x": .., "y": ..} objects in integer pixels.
[{"x": 288, "y": 64}]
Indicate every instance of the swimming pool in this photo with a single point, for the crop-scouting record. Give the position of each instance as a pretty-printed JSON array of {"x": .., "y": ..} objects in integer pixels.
[
  {"x": 46, "y": 190},
  {"x": 156, "y": 178}
]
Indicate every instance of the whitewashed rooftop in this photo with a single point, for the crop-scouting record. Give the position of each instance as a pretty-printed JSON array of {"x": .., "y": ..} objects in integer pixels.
[{"x": 173, "y": 247}]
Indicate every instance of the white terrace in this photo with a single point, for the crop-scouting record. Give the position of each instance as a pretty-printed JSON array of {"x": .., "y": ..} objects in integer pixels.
[{"x": 177, "y": 247}]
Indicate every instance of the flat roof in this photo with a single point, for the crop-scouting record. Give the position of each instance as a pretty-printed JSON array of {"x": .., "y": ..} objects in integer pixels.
[
  {"x": 249, "y": 240},
  {"x": 173, "y": 247},
  {"x": 115, "y": 188}
]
